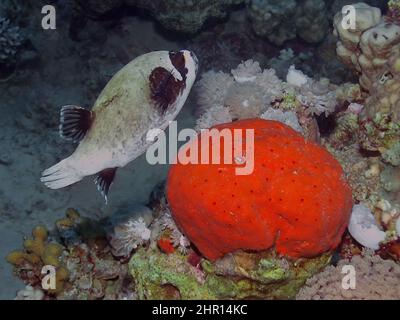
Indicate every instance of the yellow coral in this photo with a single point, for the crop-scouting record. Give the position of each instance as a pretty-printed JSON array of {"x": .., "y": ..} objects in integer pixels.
[
  {"x": 53, "y": 249},
  {"x": 72, "y": 214},
  {"x": 32, "y": 258},
  {"x": 16, "y": 257},
  {"x": 59, "y": 287},
  {"x": 38, "y": 253},
  {"x": 52, "y": 260},
  {"x": 34, "y": 245},
  {"x": 62, "y": 273},
  {"x": 40, "y": 233},
  {"x": 64, "y": 223}
]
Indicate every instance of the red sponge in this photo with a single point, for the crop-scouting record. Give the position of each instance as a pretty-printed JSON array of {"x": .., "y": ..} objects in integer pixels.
[{"x": 297, "y": 198}]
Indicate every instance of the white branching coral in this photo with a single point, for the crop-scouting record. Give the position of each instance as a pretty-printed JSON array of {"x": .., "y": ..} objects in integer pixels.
[
  {"x": 273, "y": 88},
  {"x": 287, "y": 117},
  {"x": 247, "y": 71},
  {"x": 128, "y": 236},
  {"x": 211, "y": 89},
  {"x": 318, "y": 96},
  {"x": 245, "y": 100},
  {"x": 215, "y": 115},
  {"x": 246, "y": 93}
]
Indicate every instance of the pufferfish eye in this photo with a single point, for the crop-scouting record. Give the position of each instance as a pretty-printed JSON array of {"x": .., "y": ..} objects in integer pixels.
[{"x": 178, "y": 61}]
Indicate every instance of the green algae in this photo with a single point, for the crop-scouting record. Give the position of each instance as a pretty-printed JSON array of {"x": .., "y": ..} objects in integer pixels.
[{"x": 240, "y": 276}]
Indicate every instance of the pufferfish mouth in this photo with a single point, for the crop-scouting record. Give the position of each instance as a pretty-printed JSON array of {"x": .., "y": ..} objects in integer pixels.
[{"x": 196, "y": 61}]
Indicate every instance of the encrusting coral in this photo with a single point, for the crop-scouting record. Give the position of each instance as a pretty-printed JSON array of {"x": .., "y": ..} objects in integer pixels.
[{"x": 375, "y": 279}]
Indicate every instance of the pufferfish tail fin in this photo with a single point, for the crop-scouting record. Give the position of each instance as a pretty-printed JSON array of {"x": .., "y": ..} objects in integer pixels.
[
  {"x": 74, "y": 122},
  {"x": 60, "y": 175}
]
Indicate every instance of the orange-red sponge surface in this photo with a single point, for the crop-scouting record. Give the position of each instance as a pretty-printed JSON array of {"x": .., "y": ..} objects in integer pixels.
[{"x": 296, "y": 199}]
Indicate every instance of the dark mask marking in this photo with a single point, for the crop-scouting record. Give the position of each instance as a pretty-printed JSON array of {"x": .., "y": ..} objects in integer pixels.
[{"x": 164, "y": 88}]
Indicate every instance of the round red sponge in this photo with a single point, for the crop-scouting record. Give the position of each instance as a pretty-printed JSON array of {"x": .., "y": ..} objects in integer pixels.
[{"x": 296, "y": 199}]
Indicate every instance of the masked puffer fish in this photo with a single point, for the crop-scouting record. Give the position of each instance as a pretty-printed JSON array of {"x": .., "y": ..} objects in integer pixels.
[{"x": 146, "y": 94}]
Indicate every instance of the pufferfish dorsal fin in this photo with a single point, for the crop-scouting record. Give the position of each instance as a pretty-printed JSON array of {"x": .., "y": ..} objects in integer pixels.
[
  {"x": 74, "y": 122},
  {"x": 104, "y": 181},
  {"x": 164, "y": 88}
]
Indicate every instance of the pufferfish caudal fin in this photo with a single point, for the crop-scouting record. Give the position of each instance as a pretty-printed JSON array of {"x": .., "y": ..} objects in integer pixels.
[
  {"x": 60, "y": 175},
  {"x": 74, "y": 123}
]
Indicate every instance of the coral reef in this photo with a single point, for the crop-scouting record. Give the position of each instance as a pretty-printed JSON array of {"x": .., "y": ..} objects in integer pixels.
[
  {"x": 393, "y": 14},
  {"x": 376, "y": 279},
  {"x": 85, "y": 266},
  {"x": 369, "y": 45},
  {"x": 185, "y": 16},
  {"x": 238, "y": 276},
  {"x": 280, "y": 21},
  {"x": 246, "y": 93},
  {"x": 212, "y": 206},
  {"x": 250, "y": 92},
  {"x": 11, "y": 41},
  {"x": 37, "y": 253}
]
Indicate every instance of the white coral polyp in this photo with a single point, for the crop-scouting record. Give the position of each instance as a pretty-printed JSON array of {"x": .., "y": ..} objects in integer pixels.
[
  {"x": 364, "y": 229},
  {"x": 128, "y": 236},
  {"x": 288, "y": 117},
  {"x": 247, "y": 71},
  {"x": 296, "y": 77},
  {"x": 245, "y": 100}
]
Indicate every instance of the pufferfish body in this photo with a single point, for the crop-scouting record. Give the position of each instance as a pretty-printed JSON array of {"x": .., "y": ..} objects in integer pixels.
[{"x": 146, "y": 94}]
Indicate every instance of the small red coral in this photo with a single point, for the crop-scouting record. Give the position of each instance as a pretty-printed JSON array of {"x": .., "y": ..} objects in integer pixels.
[
  {"x": 166, "y": 246},
  {"x": 297, "y": 198}
]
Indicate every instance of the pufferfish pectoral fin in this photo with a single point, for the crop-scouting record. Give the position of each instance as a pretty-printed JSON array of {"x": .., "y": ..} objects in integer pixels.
[
  {"x": 74, "y": 122},
  {"x": 104, "y": 181}
]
